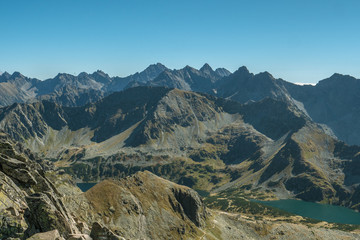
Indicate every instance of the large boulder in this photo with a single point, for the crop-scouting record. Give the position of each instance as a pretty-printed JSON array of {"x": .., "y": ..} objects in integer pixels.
[
  {"x": 191, "y": 204},
  {"x": 51, "y": 235}
]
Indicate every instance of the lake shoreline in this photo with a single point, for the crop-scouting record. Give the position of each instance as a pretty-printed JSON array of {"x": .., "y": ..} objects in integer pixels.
[{"x": 317, "y": 211}]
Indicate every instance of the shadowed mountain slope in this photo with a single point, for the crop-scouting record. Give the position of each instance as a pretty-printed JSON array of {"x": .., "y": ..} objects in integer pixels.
[{"x": 333, "y": 102}]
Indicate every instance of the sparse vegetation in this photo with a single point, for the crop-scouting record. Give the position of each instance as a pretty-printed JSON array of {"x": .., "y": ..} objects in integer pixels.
[
  {"x": 236, "y": 201},
  {"x": 346, "y": 227}
]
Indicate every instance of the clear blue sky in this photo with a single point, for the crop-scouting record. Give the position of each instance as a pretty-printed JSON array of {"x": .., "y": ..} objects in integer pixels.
[{"x": 299, "y": 41}]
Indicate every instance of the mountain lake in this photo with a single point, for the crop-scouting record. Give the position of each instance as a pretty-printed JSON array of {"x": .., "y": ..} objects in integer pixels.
[
  {"x": 319, "y": 211},
  {"x": 85, "y": 186}
]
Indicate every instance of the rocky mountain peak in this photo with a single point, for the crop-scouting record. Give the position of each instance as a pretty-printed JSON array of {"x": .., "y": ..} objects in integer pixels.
[
  {"x": 151, "y": 72},
  {"x": 206, "y": 69},
  {"x": 242, "y": 71},
  {"x": 338, "y": 80},
  {"x": 265, "y": 75},
  {"x": 158, "y": 66},
  {"x": 154, "y": 68},
  {"x": 189, "y": 68},
  {"x": 338, "y": 75},
  {"x": 100, "y": 73},
  {"x": 63, "y": 76},
  {"x": 5, "y": 76},
  {"x": 101, "y": 77},
  {"x": 17, "y": 75},
  {"x": 222, "y": 72},
  {"x": 83, "y": 75}
]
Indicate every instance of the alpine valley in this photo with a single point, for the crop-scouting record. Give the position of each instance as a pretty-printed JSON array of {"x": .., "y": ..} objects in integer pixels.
[{"x": 177, "y": 154}]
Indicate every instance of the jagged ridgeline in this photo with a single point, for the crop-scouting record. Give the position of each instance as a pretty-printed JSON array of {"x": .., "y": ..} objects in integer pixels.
[
  {"x": 333, "y": 102},
  {"x": 204, "y": 142}
]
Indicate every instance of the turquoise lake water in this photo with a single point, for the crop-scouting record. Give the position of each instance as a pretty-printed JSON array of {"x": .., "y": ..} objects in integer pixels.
[
  {"x": 85, "y": 186},
  {"x": 324, "y": 212}
]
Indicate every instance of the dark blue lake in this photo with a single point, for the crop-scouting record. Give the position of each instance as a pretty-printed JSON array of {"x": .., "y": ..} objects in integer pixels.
[
  {"x": 324, "y": 212},
  {"x": 85, "y": 186}
]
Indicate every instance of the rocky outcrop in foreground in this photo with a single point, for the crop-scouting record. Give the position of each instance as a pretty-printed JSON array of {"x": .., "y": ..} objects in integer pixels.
[
  {"x": 30, "y": 203},
  {"x": 142, "y": 206}
]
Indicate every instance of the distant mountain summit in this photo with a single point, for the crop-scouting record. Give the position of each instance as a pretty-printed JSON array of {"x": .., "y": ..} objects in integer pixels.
[
  {"x": 206, "y": 69},
  {"x": 150, "y": 73},
  {"x": 223, "y": 72},
  {"x": 243, "y": 86},
  {"x": 188, "y": 78},
  {"x": 67, "y": 89},
  {"x": 70, "y": 90},
  {"x": 16, "y": 88},
  {"x": 333, "y": 102}
]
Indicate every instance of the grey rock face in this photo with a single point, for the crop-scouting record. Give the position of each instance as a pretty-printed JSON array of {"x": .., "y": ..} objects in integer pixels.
[
  {"x": 223, "y": 72},
  {"x": 335, "y": 102},
  {"x": 16, "y": 169},
  {"x": 191, "y": 205},
  {"x": 243, "y": 86},
  {"x": 45, "y": 213},
  {"x": 50, "y": 235},
  {"x": 30, "y": 202},
  {"x": 99, "y": 231}
]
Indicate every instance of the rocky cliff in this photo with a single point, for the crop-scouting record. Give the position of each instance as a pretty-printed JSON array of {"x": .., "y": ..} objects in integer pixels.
[{"x": 30, "y": 203}]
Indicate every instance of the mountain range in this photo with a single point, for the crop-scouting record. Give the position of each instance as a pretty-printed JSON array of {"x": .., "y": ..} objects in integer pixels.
[
  {"x": 207, "y": 143},
  {"x": 220, "y": 133},
  {"x": 67, "y": 89},
  {"x": 332, "y": 102}
]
